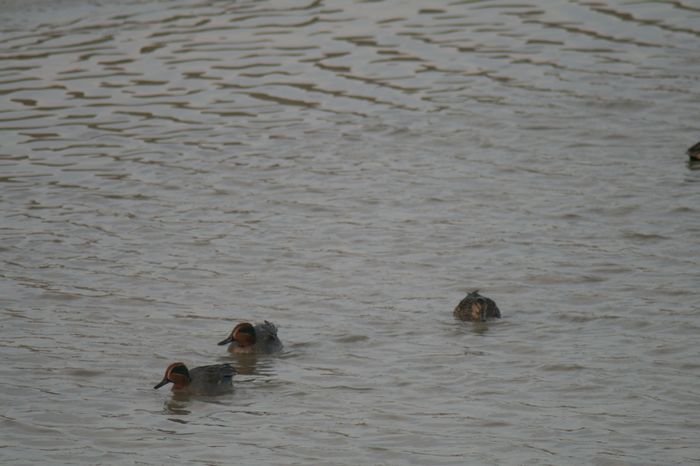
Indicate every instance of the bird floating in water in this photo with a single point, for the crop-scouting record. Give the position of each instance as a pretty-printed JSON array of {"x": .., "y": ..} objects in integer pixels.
[
  {"x": 476, "y": 308},
  {"x": 204, "y": 380},
  {"x": 248, "y": 338}
]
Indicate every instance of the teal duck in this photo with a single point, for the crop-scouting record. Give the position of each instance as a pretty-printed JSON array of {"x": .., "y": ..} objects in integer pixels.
[
  {"x": 248, "y": 338},
  {"x": 204, "y": 380},
  {"x": 475, "y": 307}
]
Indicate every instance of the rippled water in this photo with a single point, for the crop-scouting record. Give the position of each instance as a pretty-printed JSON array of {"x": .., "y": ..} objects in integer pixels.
[{"x": 349, "y": 170}]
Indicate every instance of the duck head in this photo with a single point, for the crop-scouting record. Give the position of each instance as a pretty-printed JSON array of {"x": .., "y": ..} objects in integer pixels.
[
  {"x": 243, "y": 334},
  {"x": 177, "y": 374}
]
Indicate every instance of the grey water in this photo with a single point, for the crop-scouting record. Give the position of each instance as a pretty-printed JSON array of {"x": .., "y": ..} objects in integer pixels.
[{"x": 349, "y": 170}]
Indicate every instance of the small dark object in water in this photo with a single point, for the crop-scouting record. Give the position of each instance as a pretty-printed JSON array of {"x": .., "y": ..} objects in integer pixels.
[
  {"x": 694, "y": 152},
  {"x": 475, "y": 307}
]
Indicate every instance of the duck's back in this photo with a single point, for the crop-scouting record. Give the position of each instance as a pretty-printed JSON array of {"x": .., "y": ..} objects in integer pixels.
[
  {"x": 466, "y": 308},
  {"x": 211, "y": 379},
  {"x": 266, "y": 338}
]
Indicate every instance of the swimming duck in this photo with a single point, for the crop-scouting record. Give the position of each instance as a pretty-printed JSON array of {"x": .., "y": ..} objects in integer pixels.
[
  {"x": 694, "y": 152},
  {"x": 202, "y": 380},
  {"x": 475, "y": 307},
  {"x": 246, "y": 338}
]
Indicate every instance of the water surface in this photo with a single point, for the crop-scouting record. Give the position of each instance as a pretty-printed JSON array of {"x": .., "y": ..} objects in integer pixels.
[{"x": 349, "y": 170}]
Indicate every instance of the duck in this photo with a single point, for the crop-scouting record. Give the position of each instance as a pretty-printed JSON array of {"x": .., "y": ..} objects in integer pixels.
[
  {"x": 694, "y": 152},
  {"x": 247, "y": 338},
  {"x": 204, "y": 380},
  {"x": 477, "y": 308}
]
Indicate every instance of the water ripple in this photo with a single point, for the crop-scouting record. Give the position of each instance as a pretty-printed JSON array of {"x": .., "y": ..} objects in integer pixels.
[{"x": 349, "y": 171}]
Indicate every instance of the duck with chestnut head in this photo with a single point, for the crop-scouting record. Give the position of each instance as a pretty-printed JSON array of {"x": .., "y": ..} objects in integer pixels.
[
  {"x": 204, "y": 380},
  {"x": 248, "y": 338}
]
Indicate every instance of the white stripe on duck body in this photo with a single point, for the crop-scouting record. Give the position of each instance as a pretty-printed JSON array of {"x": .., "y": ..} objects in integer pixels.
[
  {"x": 477, "y": 308},
  {"x": 204, "y": 380},
  {"x": 248, "y": 338}
]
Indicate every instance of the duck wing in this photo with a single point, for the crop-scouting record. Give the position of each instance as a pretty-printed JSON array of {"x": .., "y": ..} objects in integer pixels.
[{"x": 212, "y": 376}]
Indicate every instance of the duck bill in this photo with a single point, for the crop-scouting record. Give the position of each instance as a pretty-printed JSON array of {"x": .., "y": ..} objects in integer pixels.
[
  {"x": 161, "y": 383},
  {"x": 226, "y": 341}
]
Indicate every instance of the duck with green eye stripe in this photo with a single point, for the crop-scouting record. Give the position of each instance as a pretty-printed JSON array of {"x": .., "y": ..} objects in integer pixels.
[
  {"x": 204, "y": 380},
  {"x": 247, "y": 338}
]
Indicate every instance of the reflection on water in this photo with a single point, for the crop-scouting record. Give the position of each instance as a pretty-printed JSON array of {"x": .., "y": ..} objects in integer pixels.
[
  {"x": 178, "y": 404},
  {"x": 246, "y": 364},
  {"x": 349, "y": 171},
  {"x": 478, "y": 328}
]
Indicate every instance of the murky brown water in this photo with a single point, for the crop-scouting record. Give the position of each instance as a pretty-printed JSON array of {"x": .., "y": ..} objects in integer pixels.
[{"x": 349, "y": 171}]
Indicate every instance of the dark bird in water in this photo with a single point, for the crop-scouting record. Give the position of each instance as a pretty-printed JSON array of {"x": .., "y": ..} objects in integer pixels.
[
  {"x": 694, "y": 152},
  {"x": 477, "y": 308}
]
